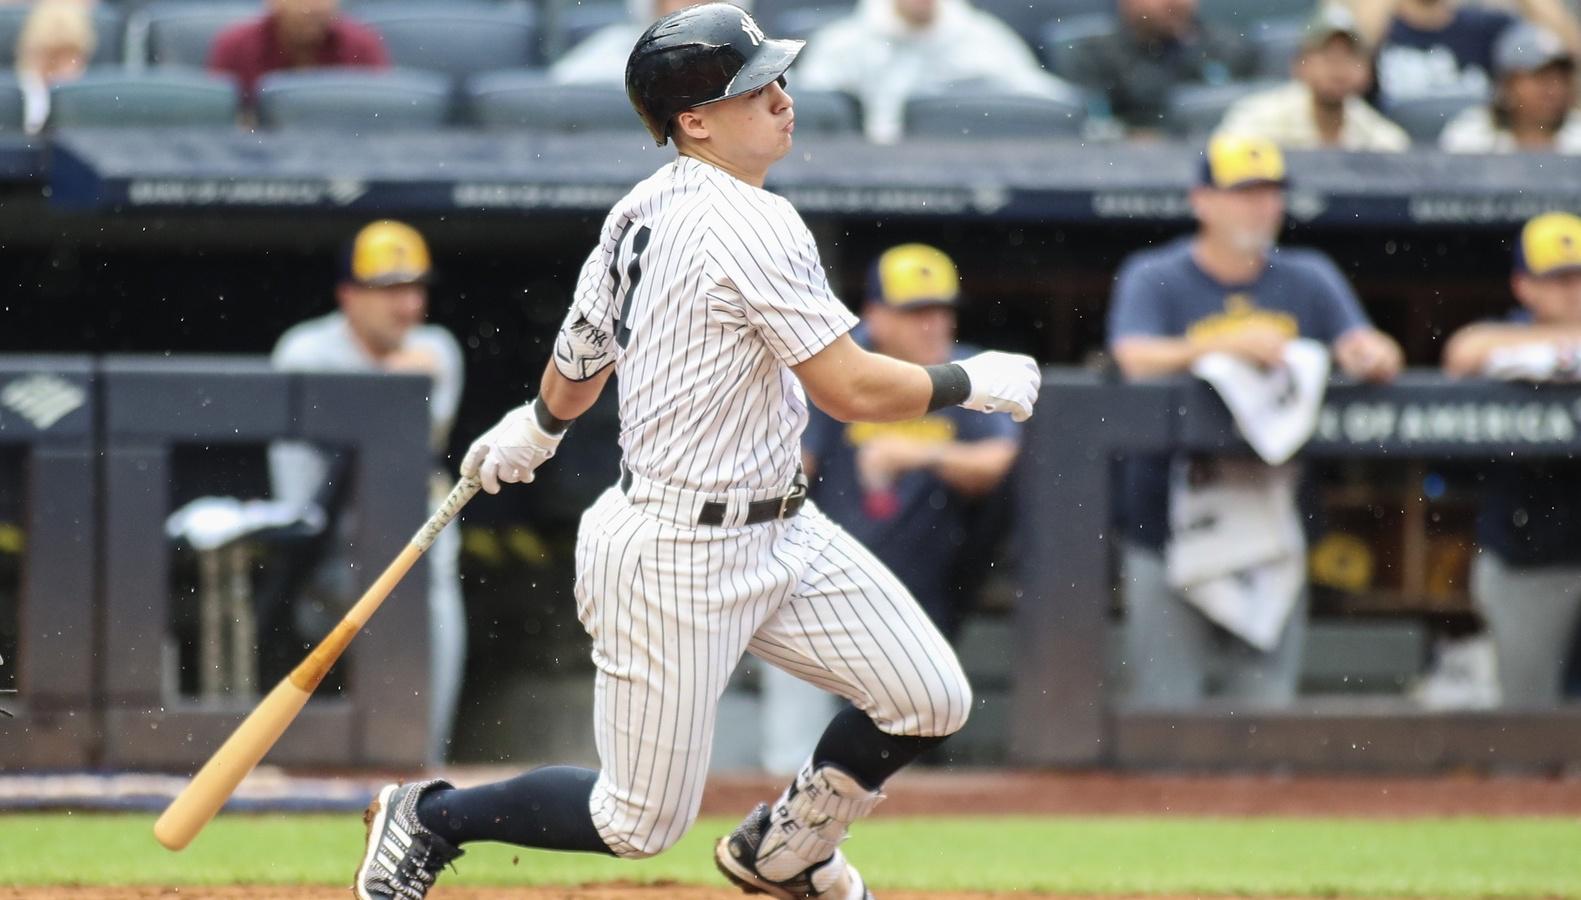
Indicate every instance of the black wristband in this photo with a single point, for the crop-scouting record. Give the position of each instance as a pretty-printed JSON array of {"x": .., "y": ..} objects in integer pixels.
[
  {"x": 546, "y": 419},
  {"x": 951, "y": 385}
]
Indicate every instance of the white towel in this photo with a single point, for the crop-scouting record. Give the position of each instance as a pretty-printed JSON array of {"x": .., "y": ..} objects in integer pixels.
[
  {"x": 1537, "y": 361},
  {"x": 1236, "y": 550},
  {"x": 1276, "y": 410}
]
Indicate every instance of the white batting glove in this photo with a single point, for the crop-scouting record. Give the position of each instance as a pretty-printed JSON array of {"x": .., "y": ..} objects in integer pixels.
[
  {"x": 510, "y": 451},
  {"x": 1002, "y": 382}
]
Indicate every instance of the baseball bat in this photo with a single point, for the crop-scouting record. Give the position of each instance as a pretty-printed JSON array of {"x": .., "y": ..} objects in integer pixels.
[{"x": 217, "y": 780}]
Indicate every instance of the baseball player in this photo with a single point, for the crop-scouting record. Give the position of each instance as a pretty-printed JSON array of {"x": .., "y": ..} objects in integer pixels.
[
  {"x": 1526, "y": 578},
  {"x": 706, "y": 295}
]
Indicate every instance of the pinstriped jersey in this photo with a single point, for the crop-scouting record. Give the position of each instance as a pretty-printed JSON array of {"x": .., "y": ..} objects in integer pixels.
[{"x": 702, "y": 291}]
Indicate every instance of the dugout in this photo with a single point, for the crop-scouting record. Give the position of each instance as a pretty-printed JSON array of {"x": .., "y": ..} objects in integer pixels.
[{"x": 186, "y": 243}]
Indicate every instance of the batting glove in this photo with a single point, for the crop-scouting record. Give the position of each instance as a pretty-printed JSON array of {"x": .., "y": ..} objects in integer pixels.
[
  {"x": 1002, "y": 382},
  {"x": 510, "y": 451}
]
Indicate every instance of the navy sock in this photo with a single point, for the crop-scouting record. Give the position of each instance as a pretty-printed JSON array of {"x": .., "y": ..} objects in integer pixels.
[
  {"x": 546, "y": 808},
  {"x": 853, "y": 743}
]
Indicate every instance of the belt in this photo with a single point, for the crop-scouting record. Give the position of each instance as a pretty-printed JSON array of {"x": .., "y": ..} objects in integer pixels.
[{"x": 758, "y": 511}]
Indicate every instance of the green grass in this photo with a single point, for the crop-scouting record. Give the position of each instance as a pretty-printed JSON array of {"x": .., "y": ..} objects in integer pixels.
[{"x": 1316, "y": 857}]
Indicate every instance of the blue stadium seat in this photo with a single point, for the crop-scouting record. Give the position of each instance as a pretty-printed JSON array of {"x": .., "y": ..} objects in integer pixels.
[
  {"x": 1062, "y": 37},
  {"x": 181, "y": 33},
  {"x": 107, "y": 29},
  {"x": 11, "y": 104},
  {"x": 118, "y": 98},
  {"x": 1025, "y": 17},
  {"x": 356, "y": 100},
  {"x": 1195, "y": 110},
  {"x": 517, "y": 100},
  {"x": 1278, "y": 41},
  {"x": 804, "y": 22},
  {"x": 826, "y": 112},
  {"x": 1424, "y": 117},
  {"x": 974, "y": 114},
  {"x": 457, "y": 39},
  {"x": 574, "y": 24},
  {"x": 1246, "y": 12}
]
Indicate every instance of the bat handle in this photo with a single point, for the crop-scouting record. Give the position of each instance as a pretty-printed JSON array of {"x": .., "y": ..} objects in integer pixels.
[{"x": 464, "y": 490}]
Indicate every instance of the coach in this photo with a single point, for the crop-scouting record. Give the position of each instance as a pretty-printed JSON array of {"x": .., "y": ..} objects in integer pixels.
[{"x": 1228, "y": 288}]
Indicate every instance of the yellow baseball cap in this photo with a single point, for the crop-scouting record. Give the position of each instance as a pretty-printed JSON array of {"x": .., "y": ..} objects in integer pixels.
[
  {"x": 1549, "y": 245},
  {"x": 386, "y": 253},
  {"x": 913, "y": 276},
  {"x": 1236, "y": 161}
]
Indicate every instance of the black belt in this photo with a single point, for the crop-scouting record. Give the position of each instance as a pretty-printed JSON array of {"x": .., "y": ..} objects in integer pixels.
[{"x": 758, "y": 511}]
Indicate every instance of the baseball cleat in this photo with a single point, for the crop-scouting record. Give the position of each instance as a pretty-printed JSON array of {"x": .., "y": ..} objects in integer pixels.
[
  {"x": 403, "y": 857},
  {"x": 736, "y": 855}
]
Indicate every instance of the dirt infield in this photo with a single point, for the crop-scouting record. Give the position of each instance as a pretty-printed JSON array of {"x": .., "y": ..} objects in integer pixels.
[{"x": 591, "y": 892}]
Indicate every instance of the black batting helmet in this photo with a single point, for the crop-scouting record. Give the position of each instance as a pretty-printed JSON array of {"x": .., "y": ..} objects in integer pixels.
[{"x": 699, "y": 55}]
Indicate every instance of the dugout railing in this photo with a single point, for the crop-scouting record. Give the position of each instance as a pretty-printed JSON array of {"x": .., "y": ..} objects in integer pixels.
[
  {"x": 48, "y": 411},
  {"x": 1063, "y": 711},
  {"x": 95, "y": 655}
]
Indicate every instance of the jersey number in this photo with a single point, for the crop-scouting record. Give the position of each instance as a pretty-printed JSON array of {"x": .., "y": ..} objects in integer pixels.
[{"x": 633, "y": 275}]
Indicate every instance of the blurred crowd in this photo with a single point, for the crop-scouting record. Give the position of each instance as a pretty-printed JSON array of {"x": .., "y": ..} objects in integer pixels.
[{"x": 1370, "y": 75}]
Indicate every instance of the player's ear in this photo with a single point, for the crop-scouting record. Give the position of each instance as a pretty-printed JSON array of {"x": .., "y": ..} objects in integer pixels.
[{"x": 690, "y": 123}]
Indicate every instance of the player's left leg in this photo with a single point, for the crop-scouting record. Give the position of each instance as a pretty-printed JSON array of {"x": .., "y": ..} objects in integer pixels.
[{"x": 853, "y": 628}]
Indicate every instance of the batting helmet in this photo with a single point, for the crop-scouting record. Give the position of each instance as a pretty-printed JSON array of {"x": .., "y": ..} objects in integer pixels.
[{"x": 700, "y": 55}]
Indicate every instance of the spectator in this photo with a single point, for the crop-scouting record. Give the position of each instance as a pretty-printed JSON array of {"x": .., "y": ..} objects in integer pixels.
[
  {"x": 1533, "y": 105},
  {"x": 601, "y": 57},
  {"x": 1526, "y": 579},
  {"x": 1159, "y": 45},
  {"x": 1323, "y": 106},
  {"x": 906, "y": 489},
  {"x": 383, "y": 298},
  {"x": 888, "y": 51},
  {"x": 1439, "y": 46},
  {"x": 56, "y": 42},
  {"x": 1227, "y": 289},
  {"x": 294, "y": 34}
]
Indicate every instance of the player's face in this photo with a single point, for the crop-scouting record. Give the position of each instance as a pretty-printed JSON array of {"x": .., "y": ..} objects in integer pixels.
[
  {"x": 751, "y": 131},
  {"x": 304, "y": 21},
  {"x": 1334, "y": 71},
  {"x": 921, "y": 336},
  {"x": 917, "y": 13},
  {"x": 382, "y": 316},
  {"x": 1542, "y": 97},
  {"x": 1553, "y": 300},
  {"x": 1169, "y": 17},
  {"x": 1246, "y": 219}
]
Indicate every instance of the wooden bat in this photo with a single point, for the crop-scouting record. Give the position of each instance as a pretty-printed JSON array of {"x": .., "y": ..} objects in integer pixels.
[{"x": 217, "y": 780}]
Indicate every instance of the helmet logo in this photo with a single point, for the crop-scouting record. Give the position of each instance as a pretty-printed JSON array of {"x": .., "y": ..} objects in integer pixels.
[{"x": 752, "y": 29}]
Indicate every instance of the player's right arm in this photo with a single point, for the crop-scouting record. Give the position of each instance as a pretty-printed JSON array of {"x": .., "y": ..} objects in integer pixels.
[
  {"x": 856, "y": 385},
  {"x": 585, "y": 351}
]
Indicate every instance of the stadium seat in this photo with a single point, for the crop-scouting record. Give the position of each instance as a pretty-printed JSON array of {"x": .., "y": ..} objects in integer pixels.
[
  {"x": 181, "y": 33},
  {"x": 1062, "y": 37},
  {"x": 1424, "y": 117},
  {"x": 1245, "y": 12},
  {"x": 1025, "y": 17},
  {"x": 11, "y": 104},
  {"x": 1195, "y": 110},
  {"x": 355, "y": 100},
  {"x": 802, "y": 22},
  {"x": 456, "y": 39},
  {"x": 107, "y": 29},
  {"x": 825, "y": 112},
  {"x": 1278, "y": 42},
  {"x": 572, "y": 25},
  {"x": 517, "y": 100},
  {"x": 118, "y": 98},
  {"x": 970, "y": 114}
]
